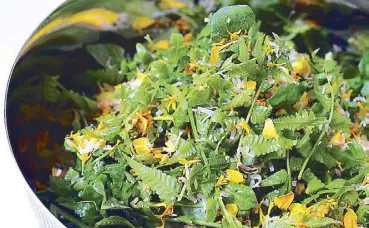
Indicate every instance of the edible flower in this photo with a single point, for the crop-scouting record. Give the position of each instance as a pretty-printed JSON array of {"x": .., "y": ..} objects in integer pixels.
[
  {"x": 161, "y": 45},
  {"x": 299, "y": 208},
  {"x": 302, "y": 67},
  {"x": 84, "y": 145},
  {"x": 339, "y": 139},
  {"x": 232, "y": 209},
  {"x": 142, "y": 22},
  {"x": 234, "y": 176},
  {"x": 350, "y": 219},
  {"x": 283, "y": 202},
  {"x": 269, "y": 131},
  {"x": 234, "y": 35},
  {"x": 170, "y": 4},
  {"x": 249, "y": 85},
  {"x": 142, "y": 146}
]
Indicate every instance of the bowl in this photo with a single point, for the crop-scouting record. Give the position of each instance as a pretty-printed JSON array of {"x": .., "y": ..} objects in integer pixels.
[{"x": 65, "y": 63}]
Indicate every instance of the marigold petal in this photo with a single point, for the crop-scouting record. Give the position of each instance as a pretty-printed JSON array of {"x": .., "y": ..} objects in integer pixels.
[
  {"x": 142, "y": 22},
  {"x": 232, "y": 209},
  {"x": 269, "y": 131},
  {"x": 350, "y": 219},
  {"x": 284, "y": 201},
  {"x": 234, "y": 176}
]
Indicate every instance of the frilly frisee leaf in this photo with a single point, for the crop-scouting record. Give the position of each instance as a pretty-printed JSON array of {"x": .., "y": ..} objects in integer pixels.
[
  {"x": 280, "y": 177},
  {"x": 298, "y": 121},
  {"x": 261, "y": 146},
  {"x": 313, "y": 183},
  {"x": 260, "y": 114},
  {"x": 114, "y": 221},
  {"x": 162, "y": 184},
  {"x": 287, "y": 94}
]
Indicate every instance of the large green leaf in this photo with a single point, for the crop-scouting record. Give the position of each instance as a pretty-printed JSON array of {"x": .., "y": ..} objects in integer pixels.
[
  {"x": 241, "y": 195},
  {"x": 167, "y": 187}
]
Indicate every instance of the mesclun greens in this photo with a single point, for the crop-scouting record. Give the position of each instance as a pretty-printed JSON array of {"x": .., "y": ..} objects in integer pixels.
[{"x": 233, "y": 128}]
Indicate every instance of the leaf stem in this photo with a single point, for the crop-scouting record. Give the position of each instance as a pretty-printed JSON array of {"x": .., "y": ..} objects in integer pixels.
[
  {"x": 58, "y": 211},
  {"x": 320, "y": 136},
  {"x": 289, "y": 171},
  {"x": 225, "y": 212},
  {"x": 193, "y": 124},
  {"x": 195, "y": 221},
  {"x": 253, "y": 102}
]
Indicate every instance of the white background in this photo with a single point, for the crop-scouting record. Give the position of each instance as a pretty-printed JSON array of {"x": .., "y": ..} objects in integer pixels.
[{"x": 18, "y": 19}]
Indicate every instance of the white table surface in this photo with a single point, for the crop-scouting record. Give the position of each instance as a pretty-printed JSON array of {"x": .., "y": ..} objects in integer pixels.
[{"x": 18, "y": 19}]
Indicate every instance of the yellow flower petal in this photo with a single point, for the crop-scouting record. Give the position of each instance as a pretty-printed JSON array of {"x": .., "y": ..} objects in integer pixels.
[
  {"x": 250, "y": 85},
  {"x": 184, "y": 161},
  {"x": 234, "y": 176},
  {"x": 338, "y": 139},
  {"x": 141, "y": 145},
  {"x": 221, "y": 181},
  {"x": 214, "y": 54},
  {"x": 170, "y": 4},
  {"x": 303, "y": 102},
  {"x": 161, "y": 45},
  {"x": 347, "y": 95},
  {"x": 234, "y": 35},
  {"x": 269, "y": 131},
  {"x": 284, "y": 201},
  {"x": 232, "y": 209},
  {"x": 142, "y": 22},
  {"x": 299, "y": 208},
  {"x": 167, "y": 118},
  {"x": 245, "y": 126},
  {"x": 302, "y": 67},
  {"x": 350, "y": 219}
]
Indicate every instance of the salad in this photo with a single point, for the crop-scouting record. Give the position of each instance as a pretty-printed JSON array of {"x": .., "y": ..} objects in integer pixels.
[{"x": 230, "y": 127}]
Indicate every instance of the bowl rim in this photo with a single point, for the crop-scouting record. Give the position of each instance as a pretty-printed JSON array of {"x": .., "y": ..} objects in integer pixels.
[{"x": 42, "y": 214}]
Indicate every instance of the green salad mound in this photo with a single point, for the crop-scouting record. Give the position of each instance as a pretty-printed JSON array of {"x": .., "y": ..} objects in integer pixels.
[{"x": 233, "y": 128}]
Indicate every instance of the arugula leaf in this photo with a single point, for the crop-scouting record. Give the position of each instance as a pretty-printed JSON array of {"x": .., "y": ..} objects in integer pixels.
[
  {"x": 313, "y": 183},
  {"x": 243, "y": 196},
  {"x": 280, "y": 177},
  {"x": 287, "y": 94},
  {"x": 114, "y": 221}
]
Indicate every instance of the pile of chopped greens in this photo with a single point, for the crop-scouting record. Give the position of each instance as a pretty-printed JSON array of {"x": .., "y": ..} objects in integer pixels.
[{"x": 228, "y": 128}]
